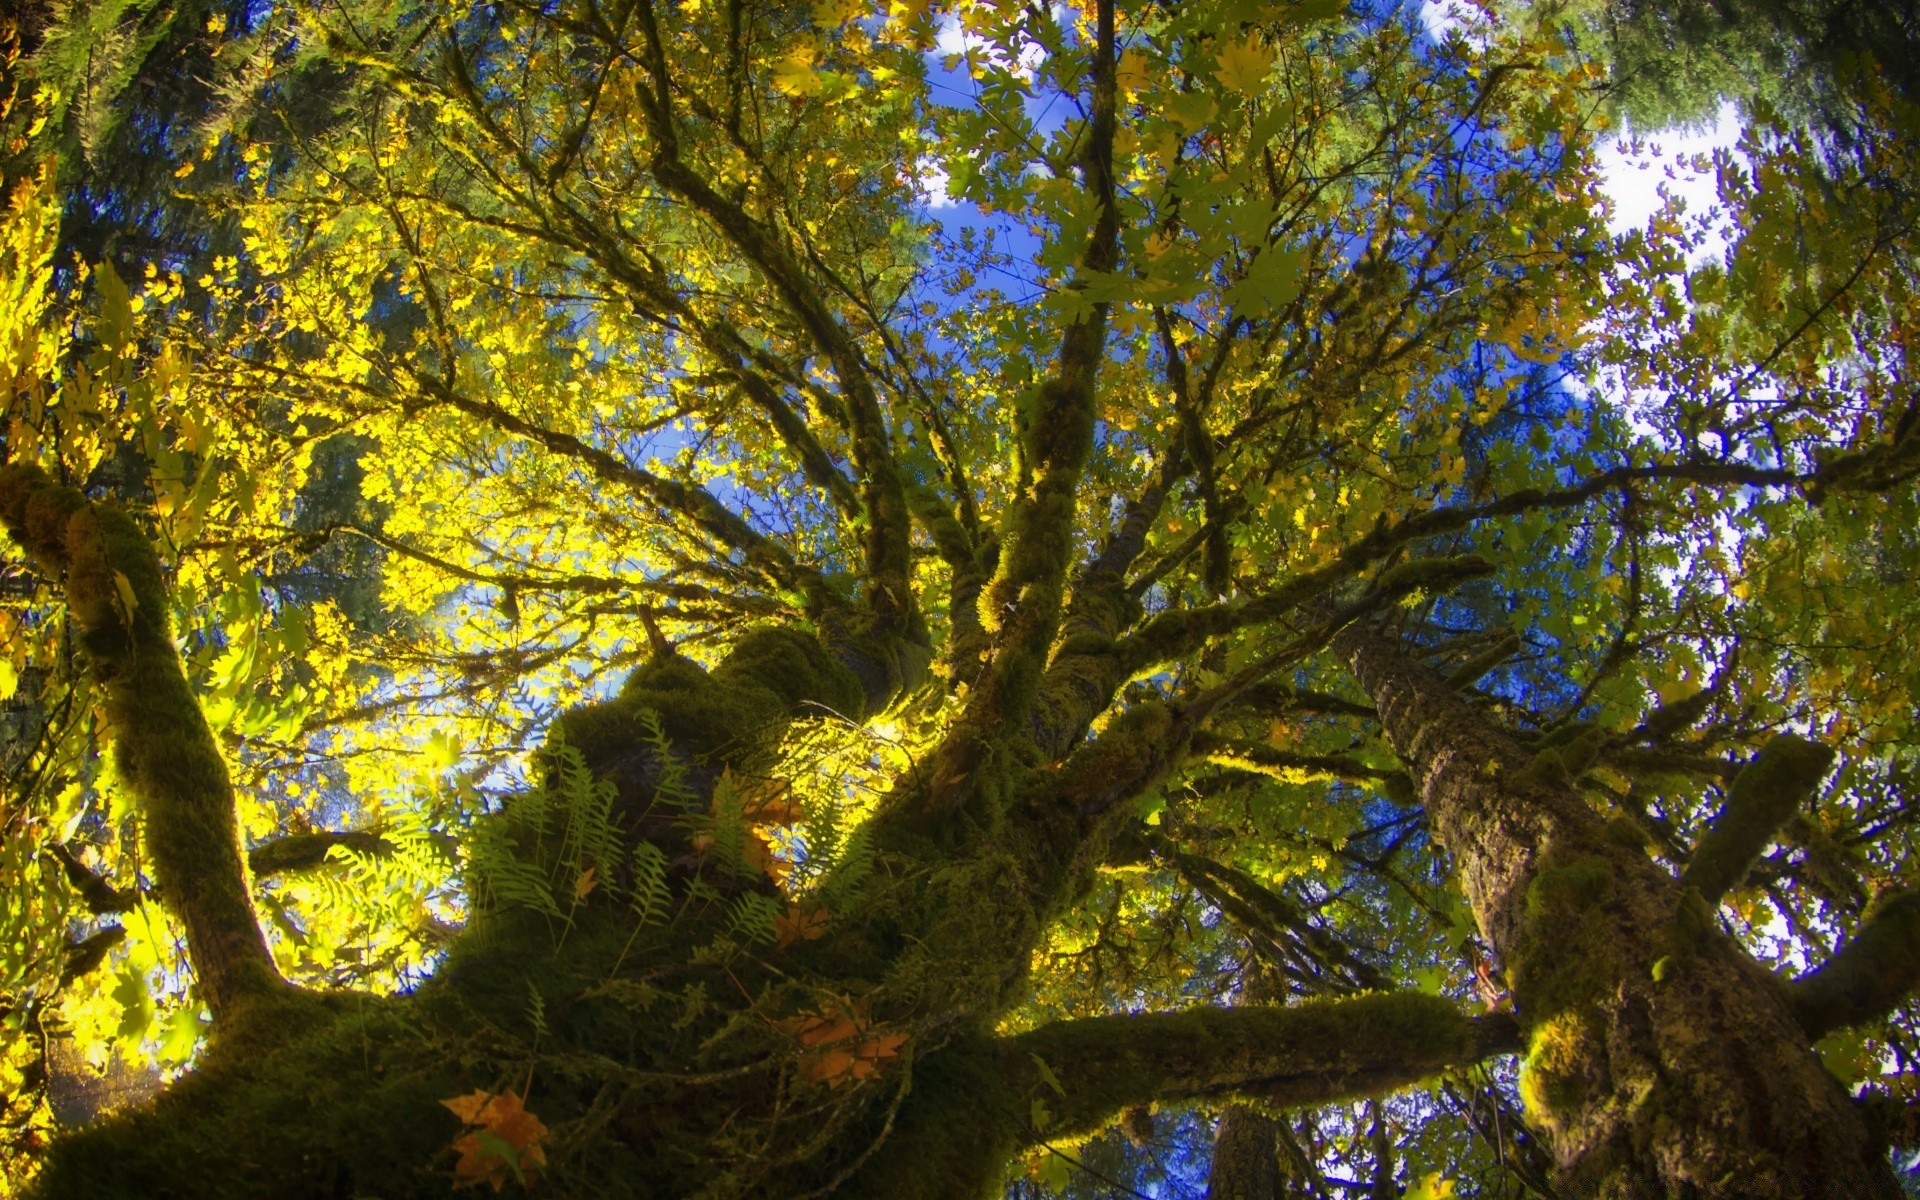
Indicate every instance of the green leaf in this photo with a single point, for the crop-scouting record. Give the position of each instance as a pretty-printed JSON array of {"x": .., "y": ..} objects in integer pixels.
[
  {"x": 136, "y": 1006},
  {"x": 1847, "y": 1056},
  {"x": 1047, "y": 1076},
  {"x": 180, "y": 1033},
  {"x": 1054, "y": 1171},
  {"x": 1272, "y": 282}
]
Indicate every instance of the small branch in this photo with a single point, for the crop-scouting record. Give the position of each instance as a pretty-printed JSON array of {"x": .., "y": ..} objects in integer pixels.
[
  {"x": 86, "y": 955},
  {"x": 100, "y": 897}
]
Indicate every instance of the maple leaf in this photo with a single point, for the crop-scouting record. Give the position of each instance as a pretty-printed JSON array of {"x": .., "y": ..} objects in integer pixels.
[
  {"x": 799, "y": 924},
  {"x": 505, "y": 1142},
  {"x": 794, "y": 75},
  {"x": 1244, "y": 66}
]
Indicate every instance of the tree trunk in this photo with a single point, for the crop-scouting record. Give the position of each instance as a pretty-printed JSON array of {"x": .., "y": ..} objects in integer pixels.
[
  {"x": 1246, "y": 1164},
  {"x": 1662, "y": 1060}
]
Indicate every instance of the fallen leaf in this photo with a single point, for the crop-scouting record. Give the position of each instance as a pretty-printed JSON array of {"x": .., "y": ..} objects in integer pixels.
[
  {"x": 831, "y": 1066},
  {"x": 820, "y": 1031},
  {"x": 799, "y": 924},
  {"x": 506, "y": 1144}
]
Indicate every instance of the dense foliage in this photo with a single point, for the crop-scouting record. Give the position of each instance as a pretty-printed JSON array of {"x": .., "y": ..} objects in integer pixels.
[{"x": 892, "y": 600}]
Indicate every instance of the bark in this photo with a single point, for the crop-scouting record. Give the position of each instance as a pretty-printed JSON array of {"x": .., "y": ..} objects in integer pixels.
[
  {"x": 1662, "y": 1060},
  {"x": 1763, "y": 798},
  {"x": 1246, "y": 1162}
]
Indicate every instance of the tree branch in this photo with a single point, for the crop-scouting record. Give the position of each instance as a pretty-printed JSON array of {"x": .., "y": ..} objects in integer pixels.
[
  {"x": 296, "y": 852},
  {"x": 162, "y": 746},
  {"x": 1762, "y": 799},
  {"x": 883, "y": 489},
  {"x": 1868, "y": 977},
  {"x": 1313, "y": 1053}
]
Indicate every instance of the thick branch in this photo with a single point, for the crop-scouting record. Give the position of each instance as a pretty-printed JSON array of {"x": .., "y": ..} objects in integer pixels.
[
  {"x": 1873, "y": 973},
  {"x": 1308, "y": 1054},
  {"x": 305, "y": 851},
  {"x": 163, "y": 749},
  {"x": 1763, "y": 798}
]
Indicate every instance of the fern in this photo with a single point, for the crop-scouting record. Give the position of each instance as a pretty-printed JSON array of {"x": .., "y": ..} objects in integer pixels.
[
  {"x": 848, "y": 874},
  {"x": 587, "y": 838},
  {"x": 536, "y": 1011},
  {"x": 750, "y": 919},
  {"x": 672, "y": 786},
  {"x": 650, "y": 895}
]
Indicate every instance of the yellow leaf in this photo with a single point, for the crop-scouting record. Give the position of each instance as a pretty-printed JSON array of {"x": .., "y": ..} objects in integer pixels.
[
  {"x": 130, "y": 603},
  {"x": 584, "y": 885},
  {"x": 1244, "y": 67},
  {"x": 794, "y": 75}
]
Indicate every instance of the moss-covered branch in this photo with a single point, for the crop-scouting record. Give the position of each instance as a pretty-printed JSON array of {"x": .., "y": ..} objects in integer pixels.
[
  {"x": 164, "y": 751},
  {"x": 1877, "y": 969},
  {"x": 1762, "y": 799},
  {"x": 297, "y": 852},
  {"x": 1022, "y": 605},
  {"x": 1306, "y": 1054}
]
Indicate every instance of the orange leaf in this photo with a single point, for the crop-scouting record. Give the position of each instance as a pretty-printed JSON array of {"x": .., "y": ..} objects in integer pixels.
[
  {"x": 506, "y": 1142},
  {"x": 820, "y": 1031},
  {"x": 468, "y": 1107},
  {"x": 799, "y": 924},
  {"x": 886, "y": 1046},
  {"x": 586, "y": 883},
  {"x": 831, "y": 1065}
]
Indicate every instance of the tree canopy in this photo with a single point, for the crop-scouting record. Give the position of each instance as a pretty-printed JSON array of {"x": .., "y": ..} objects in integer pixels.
[{"x": 756, "y": 600}]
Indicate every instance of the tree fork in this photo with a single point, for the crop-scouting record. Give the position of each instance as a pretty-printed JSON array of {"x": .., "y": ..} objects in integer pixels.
[{"x": 1662, "y": 1060}]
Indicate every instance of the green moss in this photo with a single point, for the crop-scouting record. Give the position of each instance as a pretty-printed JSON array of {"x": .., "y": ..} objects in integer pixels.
[
  {"x": 1877, "y": 968},
  {"x": 1555, "y": 1076},
  {"x": 1569, "y": 890}
]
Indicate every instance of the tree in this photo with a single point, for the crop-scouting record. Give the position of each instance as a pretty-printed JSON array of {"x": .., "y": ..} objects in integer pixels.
[
  {"x": 1676, "y": 61},
  {"x": 1340, "y": 567}
]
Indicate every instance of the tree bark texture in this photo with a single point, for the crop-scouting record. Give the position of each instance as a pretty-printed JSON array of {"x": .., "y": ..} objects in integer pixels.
[
  {"x": 1246, "y": 1163},
  {"x": 1662, "y": 1060}
]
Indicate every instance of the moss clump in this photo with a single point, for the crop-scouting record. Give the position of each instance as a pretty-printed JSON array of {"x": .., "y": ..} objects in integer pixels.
[
  {"x": 1569, "y": 890},
  {"x": 1556, "y": 1075}
]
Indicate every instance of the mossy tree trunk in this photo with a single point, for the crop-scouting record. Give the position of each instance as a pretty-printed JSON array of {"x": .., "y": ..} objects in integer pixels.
[{"x": 1662, "y": 1060}]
